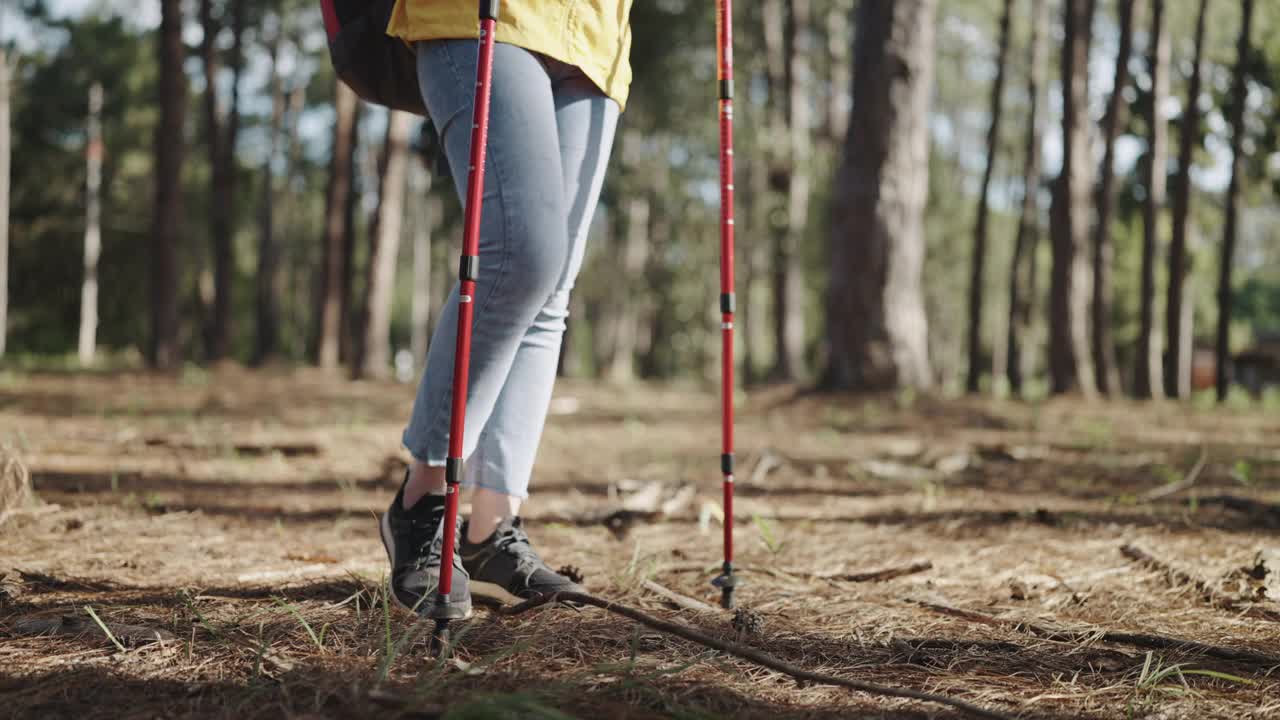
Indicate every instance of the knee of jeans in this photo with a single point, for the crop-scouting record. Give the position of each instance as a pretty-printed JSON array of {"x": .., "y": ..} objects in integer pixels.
[
  {"x": 552, "y": 316},
  {"x": 534, "y": 267}
]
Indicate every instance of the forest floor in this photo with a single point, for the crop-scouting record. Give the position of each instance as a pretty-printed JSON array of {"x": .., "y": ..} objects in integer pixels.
[{"x": 232, "y": 515}]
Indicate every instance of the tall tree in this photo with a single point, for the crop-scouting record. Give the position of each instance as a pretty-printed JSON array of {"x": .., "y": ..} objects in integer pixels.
[
  {"x": 875, "y": 303},
  {"x": 838, "y": 67},
  {"x": 1104, "y": 350},
  {"x": 373, "y": 348},
  {"x": 979, "y": 259},
  {"x": 1177, "y": 370},
  {"x": 267, "y": 296},
  {"x": 634, "y": 256},
  {"x": 1070, "y": 363},
  {"x": 92, "y": 229},
  {"x": 1239, "y": 96},
  {"x": 787, "y": 41},
  {"x": 1022, "y": 270},
  {"x": 428, "y": 205},
  {"x": 6, "y": 74},
  {"x": 338, "y": 199},
  {"x": 221, "y": 132},
  {"x": 163, "y": 351},
  {"x": 1148, "y": 371}
]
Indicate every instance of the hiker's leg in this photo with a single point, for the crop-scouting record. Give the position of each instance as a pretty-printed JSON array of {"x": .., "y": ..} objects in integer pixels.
[
  {"x": 503, "y": 461},
  {"x": 523, "y": 240}
]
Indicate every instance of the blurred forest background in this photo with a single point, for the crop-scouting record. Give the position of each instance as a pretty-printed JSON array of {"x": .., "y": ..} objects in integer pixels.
[{"x": 1010, "y": 196}]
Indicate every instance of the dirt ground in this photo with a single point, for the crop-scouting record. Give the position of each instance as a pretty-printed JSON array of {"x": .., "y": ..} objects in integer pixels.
[{"x": 232, "y": 516}]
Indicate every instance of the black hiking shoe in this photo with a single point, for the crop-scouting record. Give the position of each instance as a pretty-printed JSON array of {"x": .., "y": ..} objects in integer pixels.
[
  {"x": 505, "y": 566},
  {"x": 414, "y": 540}
]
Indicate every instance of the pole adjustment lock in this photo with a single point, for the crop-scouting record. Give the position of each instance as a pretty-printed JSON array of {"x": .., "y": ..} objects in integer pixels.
[
  {"x": 469, "y": 268},
  {"x": 727, "y": 303}
]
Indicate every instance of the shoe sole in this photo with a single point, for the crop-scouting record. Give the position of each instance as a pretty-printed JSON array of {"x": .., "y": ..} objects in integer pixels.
[
  {"x": 496, "y": 592},
  {"x": 384, "y": 530}
]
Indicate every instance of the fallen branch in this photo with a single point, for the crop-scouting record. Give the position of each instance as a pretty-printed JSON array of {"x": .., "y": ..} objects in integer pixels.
[
  {"x": 1262, "y": 510},
  {"x": 748, "y": 653},
  {"x": 681, "y": 601},
  {"x": 881, "y": 575},
  {"x": 1156, "y": 642},
  {"x": 1175, "y": 577},
  {"x": 1186, "y": 482}
]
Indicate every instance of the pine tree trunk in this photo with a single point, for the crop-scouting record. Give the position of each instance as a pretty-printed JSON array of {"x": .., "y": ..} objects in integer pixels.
[
  {"x": 1070, "y": 362},
  {"x": 1239, "y": 94},
  {"x": 1104, "y": 350},
  {"x": 626, "y": 321},
  {"x": 1022, "y": 269},
  {"x": 92, "y": 230},
  {"x": 163, "y": 351},
  {"x": 838, "y": 13},
  {"x": 426, "y": 220},
  {"x": 6, "y": 75},
  {"x": 1177, "y": 370},
  {"x": 267, "y": 300},
  {"x": 979, "y": 259},
  {"x": 373, "y": 351},
  {"x": 875, "y": 312},
  {"x": 221, "y": 132},
  {"x": 787, "y": 39},
  {"x": 1148, "y": 379},
  {"x": 338, "y": 196}
]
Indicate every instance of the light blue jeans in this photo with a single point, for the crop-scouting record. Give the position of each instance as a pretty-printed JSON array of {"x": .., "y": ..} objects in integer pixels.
[{"x": 550, "y": 132}]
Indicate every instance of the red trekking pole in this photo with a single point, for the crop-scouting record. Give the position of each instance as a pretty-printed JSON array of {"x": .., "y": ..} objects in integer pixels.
[
  {"x": 726, "y": 581},
  {"x": 468, "y": 272}
]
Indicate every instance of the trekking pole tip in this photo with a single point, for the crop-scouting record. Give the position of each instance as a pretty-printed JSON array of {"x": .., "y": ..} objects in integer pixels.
[{"x": 440, "y": 638}]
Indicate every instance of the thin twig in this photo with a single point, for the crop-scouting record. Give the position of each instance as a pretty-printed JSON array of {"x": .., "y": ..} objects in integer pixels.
[
  {"x": 1175, "y": 577},
  {"x": 1157, "y": 642},
  {"x": 881, "y": 575},
  {"x": 1186, "y": 482},
  {"x": 748, "y": 653},
  {"x": 681, "y": 601}
]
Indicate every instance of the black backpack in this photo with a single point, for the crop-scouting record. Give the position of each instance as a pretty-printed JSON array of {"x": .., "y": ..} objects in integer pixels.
[{"x": 379, "y": 68}]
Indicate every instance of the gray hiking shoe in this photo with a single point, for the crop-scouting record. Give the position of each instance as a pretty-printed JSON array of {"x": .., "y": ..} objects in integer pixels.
[
  {"x": 414, "y": 540},
  {"x": 506, "y": 567}
]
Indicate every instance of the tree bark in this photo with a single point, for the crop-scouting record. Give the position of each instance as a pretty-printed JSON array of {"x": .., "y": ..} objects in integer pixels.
[
  {"x": 979, "y": 259},
  {"x": 373, "y": 353},
  {"x": 1148, "y": 379},
  {"x": 1070, "y": 362},
  {"x": 163, "y": 351},
  {"x": 6, "y": 75},
  {"x": 221, "y": 133},
  {"x": 1177, "y": 370},
  {"x": 92, "y": 229},
  {"x": 1104, "y": 350},
  {"x": 1239, "y": 95},
  {"x": 267, "y": 300},
  {"x": 1022, "y": 268},
  {"x": 338, "y": 196},
  {"x": 875, "y": 305}
]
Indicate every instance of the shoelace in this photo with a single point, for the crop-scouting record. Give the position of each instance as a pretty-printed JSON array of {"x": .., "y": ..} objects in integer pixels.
[
  {"x": 514, "y": 541},
  {"x": 423, "y": 536}
]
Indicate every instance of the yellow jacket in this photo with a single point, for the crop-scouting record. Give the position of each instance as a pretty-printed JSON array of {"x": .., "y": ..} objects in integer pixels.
[{"x": 594, "y": 35}]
